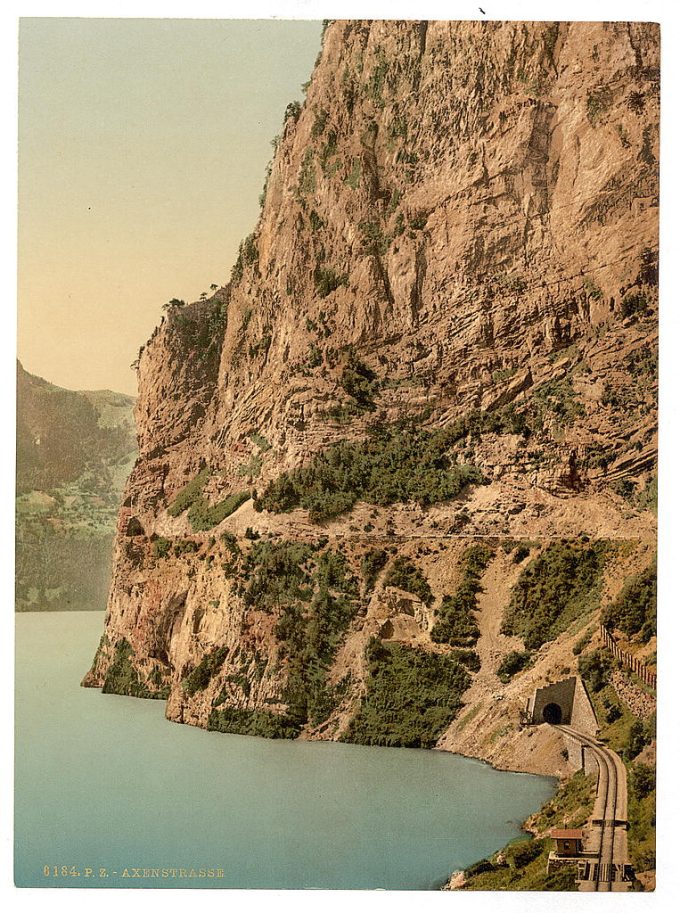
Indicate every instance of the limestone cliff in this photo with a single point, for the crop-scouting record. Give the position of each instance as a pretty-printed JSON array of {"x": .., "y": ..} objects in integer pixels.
[{"x": 458, "y": 234}]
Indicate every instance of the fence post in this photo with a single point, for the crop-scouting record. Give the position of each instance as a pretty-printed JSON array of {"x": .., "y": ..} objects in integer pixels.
[{"x": 628, "y": 660}]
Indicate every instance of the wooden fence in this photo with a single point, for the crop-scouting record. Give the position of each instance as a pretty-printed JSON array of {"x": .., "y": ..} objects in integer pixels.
[{"x": 629, "y": 661}]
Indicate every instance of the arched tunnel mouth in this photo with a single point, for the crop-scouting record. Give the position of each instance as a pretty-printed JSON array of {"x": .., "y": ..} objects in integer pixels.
[{"x": 552, "y": 713}]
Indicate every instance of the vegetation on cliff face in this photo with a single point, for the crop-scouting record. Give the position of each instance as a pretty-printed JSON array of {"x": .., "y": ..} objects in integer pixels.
[
  {"x": 411, "y": 696},
  {"x": 310, "y": 638},
  {"x": 371, "y": 565},
  {"x": 642, "y": 816},
  {"x": 510, "y": 665},
  {"x": 203, "y": 516},
  {"x": 595, "y": 667},
  {"x": 624, "y": 732},
  {"x": 123, "y": 678},
  {"x": 314, "y": 596},
  {"x": 199, "y": 678},
  {"x": 262, "y": 723},
  {"x": 456, "y": 624},
  {"x": 359, "y": 382},
  {"x": 406, "y": 575},
  {"x": 199, "y": 331},
  {"x": 553, "y": 590},
  {"x": 395, "y": 464},
  {"x": 188, "y": 495},
  {"x": 634, "y": 609},
  {"x": 404, "y": 462},
  {"x": 277, "y": 574}
]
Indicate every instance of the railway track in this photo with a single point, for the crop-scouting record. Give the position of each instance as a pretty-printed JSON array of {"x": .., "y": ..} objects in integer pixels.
[{"x": 608, "y": 870}]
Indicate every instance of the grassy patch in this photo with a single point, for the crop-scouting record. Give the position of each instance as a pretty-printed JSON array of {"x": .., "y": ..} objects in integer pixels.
[
  {"x": 468, "y": 658},
  {"x": 314, "y": 356},
  {"x": 187, "y": 495},
  {"x": 469, "y": 716},
  {"x": 572, "y": 803},
  {"x": 202, "y": 516},
  {"x": 501, "y": 375},
  {"x": 642, "y": 816},
  {"x": 524, "y": 870},
  {"x": 160, "y": 547},
  {"x": 634, "y": 609},
  {"x": 260, "y": 441},
  {"x": 199, "y": 678},
  {"x": 307, "y": 176},
  {"x": 252, "y": 469},
  {"x": 511, "y": 664},
  {"x": 592, "y": 289},
  {"x": 396, "y": 464},
  {"x": 316, "y": 598},
  {"x": 262, "y": 723},
  {"x": 343, "y": 413},
  {"x": 277, "y": 574},
  {"x": 411, "y": 696},
  {"x": 123, "y": 678},
  {"x": 649, "y": 496},
  {"x": 635, "y": 304},
  {"x": 456, "y": 624},
  {"x": 557, "y": 587},
  {"x": 182, "y": 547},
  {"x": 556, "y": 400},
  {"x": 583, "y": 642},
  {"x": 353, "y": 178},
  {"x": 326, "y": 280},
  {"x": 598, "y": 102},
  {"x": 376, "y": 82},
  {"x": 371, "y": 565},
  {"x": 406, "y": 575},
  {"x": 359, "y": 382}
]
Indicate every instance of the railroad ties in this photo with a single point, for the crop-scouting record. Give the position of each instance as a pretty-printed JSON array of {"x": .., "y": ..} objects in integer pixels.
[
  {"x": 604, "y": 866},
  {"x": 590, "y": 871}
]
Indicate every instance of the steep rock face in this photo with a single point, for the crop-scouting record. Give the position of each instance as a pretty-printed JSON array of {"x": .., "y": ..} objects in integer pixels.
[{"x": 460, "y": 223}]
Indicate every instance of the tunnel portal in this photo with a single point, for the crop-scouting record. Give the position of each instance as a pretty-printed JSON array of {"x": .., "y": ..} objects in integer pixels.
[
  {"x": 565, "y": 702},
  {"x": 552, "y": 713}
]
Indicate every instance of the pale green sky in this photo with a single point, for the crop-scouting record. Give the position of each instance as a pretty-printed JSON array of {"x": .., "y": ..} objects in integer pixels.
[{"x": 142, "y": 151}]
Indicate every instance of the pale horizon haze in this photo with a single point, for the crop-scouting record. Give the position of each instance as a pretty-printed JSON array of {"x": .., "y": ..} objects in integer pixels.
[{"x": 143, "y": 145}]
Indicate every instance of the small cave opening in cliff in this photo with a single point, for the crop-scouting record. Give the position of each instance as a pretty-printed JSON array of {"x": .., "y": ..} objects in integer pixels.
[
  {"x": 134, "y": 527},
  {"x": 552, "y": 713}
]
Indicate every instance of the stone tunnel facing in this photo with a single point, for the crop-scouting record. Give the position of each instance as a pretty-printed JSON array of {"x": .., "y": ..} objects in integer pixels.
[{"x": 564, "y": 702}]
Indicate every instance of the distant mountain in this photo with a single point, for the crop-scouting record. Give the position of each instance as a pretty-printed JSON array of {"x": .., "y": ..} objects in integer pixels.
[{"x": 74, "y": 452}]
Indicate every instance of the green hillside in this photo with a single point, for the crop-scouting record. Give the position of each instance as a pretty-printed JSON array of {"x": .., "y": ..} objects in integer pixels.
[{"x": 74, "y": 453}]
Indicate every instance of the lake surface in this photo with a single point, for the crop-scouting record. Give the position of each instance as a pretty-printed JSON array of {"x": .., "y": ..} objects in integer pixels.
[{"x": 107, "y": 784}]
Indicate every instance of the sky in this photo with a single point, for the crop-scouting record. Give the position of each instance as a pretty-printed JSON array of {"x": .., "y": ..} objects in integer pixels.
[{"x": 143, "y": 145}]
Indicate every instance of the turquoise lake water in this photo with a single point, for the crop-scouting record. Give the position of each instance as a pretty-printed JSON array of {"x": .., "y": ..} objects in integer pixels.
[{"x": 107, "y": 783}]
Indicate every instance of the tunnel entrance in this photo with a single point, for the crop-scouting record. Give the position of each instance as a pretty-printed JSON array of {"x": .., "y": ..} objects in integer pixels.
[
  {"x": 565, "y": 702},
  {"x": 552, "y": 713}
]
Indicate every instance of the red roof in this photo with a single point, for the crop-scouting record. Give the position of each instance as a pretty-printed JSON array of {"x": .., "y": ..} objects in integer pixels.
[{"x": 567, "y": 833}]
